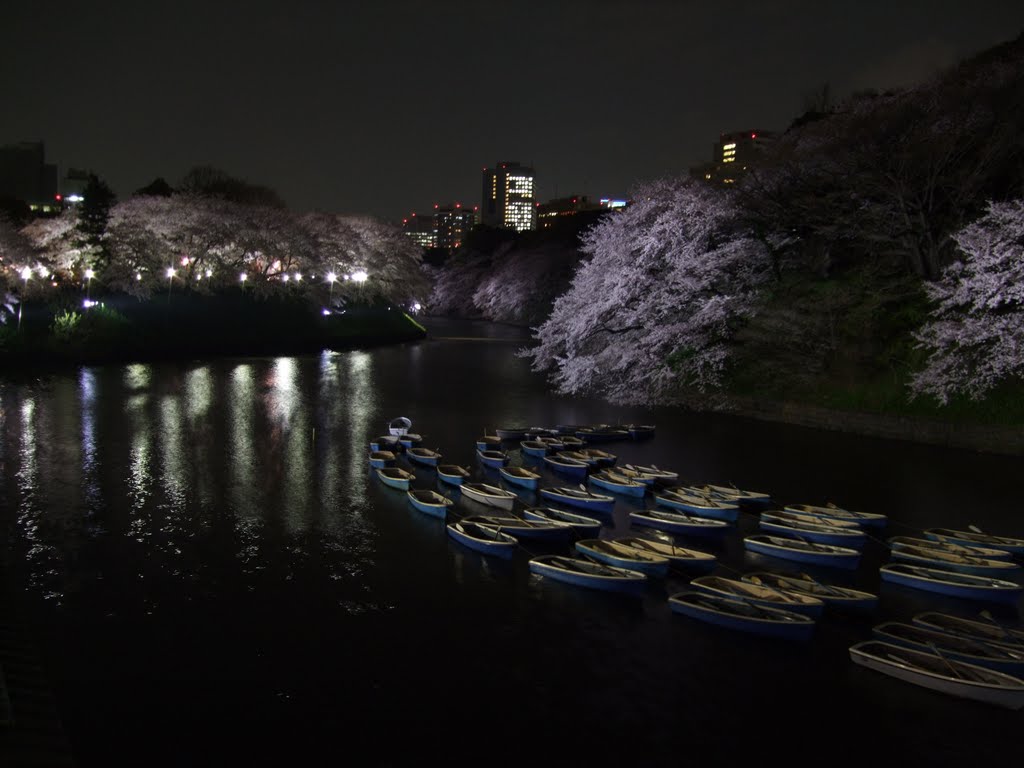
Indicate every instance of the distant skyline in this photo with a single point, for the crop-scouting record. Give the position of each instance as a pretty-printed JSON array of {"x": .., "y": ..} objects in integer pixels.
[{"x": 390, "y": 107}]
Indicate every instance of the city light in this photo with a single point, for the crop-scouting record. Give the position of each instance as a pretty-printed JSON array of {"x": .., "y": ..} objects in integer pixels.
[
  {"x": 171, "y": 272},
  {"x": 360, "y": 276}
]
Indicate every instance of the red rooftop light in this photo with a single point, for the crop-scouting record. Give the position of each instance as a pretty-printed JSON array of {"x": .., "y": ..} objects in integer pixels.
[
  {"x": 58, "y": 197},
  {"x": 753, "y": 135}
]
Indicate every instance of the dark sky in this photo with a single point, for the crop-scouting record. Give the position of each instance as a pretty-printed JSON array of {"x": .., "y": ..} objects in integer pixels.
[{"x": 386, "y": 107}]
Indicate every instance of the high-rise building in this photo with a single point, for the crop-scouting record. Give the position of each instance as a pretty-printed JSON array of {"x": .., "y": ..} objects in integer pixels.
[
  {"x": 25, "y": 175},
  {"x": 421, "y": 230},
  {"x": 452, "y": 223},
  {"x": 509, "y": 197},
  {"x": 733, "y": 155}
]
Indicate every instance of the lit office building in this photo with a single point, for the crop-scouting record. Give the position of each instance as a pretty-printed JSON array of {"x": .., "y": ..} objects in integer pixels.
[
  {"x": 421, "y": 230},
  {"x": 733, "y": 155},
  {"x": 509, "y": 197},
  {"x": 452, "y": 223}
]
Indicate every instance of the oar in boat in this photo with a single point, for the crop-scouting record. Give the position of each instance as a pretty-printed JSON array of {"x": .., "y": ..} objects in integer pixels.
[
  {"x": 1006, "y": 633},
  {"x": 786, "y": 597},
  {"x": 827, "y": 587}
]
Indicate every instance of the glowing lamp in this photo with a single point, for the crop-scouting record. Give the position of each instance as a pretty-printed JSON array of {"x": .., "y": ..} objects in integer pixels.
[
  {"x": 138, "y": 277},
  {"x": 170, "y": 273},
  {"x": 243, "y": 277},
  {"x": 26, "y": 273},
  {"x": 285, "y": 278},
  {"x": 360, "y": 276},
  {"x": 89, "y": 274},
  {"x": 331, "y": 277}
]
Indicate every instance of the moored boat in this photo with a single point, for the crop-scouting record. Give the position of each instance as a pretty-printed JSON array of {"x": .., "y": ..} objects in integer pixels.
[
  {"x": 579, "y": 456},
  {"x": 410, "y": 440},
  {"x": 525, "y": 529},
  {"x": 491, "y": 495},
  {"x": 954, "y": 561},
  {"x": 866, "y": 519},
  {"x": 782, "y": 514},
  {"x": 568, "y": 467},
  {"x": 396, "y": 477},
  {"x": 572, "y": 443},
  {"x": 951, "y": 583},
  {"x": 583, "y": 526},
  {"x": 488, "y": 443},
  {"x": 587, "y": 573},
  {"x": 679, "y": 522},
  {"x": 678, "y": 499},
  {"x": 831, "y": 595},
  {"x": 972, "y": 651},
  {"x": 1005, "y": 543},
  {"x": 511, "y": 433},
  {"x": 483, "y": 539},
  {"x": 381, "y": 459},
  {"x": 803, "y": 551},
  {"x": 989, "y": 630},
  {"x": 938, "y": 673},
  {"x": 739, "y": 495},
  {"x": 578, "y": 497},
  {"x": 602, "y": 434},
  {"x": 950, "y": 546},
  {"x": 453, "y": 474},
  {"x": 534, "y": 448},
  {"x": 423, "y": 456},
  {"x": 742, "y": 615},
  {"x": 493, "y": 458},
  {"x": 520, "y": 476},
  {"x": 623, "y": 556},
  {"x": 680, "y": 557},
  {"x": 759, "y": 593},
  {"x": 385, "y": 443},
  {"x": 553, "y": 443},
  {"x": 430, "y": 502},
  {"x": 823, "y": 534},
  {"x": 603, "y": 458},
  {"x": 648, "y": 474},
  {"x": 640, "y": 431},
  {"x": 616, "y": 483}
]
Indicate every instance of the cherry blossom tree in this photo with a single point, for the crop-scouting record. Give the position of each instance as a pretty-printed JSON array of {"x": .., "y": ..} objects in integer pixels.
[
  {"x": 976, "y": 334},
  {"x": 654, "y": 306}
]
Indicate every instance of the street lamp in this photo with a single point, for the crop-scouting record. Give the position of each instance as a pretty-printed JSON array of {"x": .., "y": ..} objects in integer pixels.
[
  {"x": 26, "y": 273},
  {"x": 360, "y": 276},
  {"x": 89, "y": 275},
  {"x": 331, "y": 277}
]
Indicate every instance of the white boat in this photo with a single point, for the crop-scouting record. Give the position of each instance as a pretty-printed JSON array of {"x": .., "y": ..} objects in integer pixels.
[
  {"x": 939, "y": 673},
  {"x": 867, "y": 519},
  {"x": 491, "y": 495}
]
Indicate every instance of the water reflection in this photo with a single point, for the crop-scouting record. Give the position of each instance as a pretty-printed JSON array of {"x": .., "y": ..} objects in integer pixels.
[
  {"x": 41, "y": 554},
  {"x": 361, "y": 401},
  {"x": 87, "y": 400},
  {"x": 242, "y": 454},
  {"x": 137, "y": 376}
]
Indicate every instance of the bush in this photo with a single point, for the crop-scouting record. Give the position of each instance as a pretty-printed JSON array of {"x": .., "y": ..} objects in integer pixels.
[{"x": 66, "y": 327}]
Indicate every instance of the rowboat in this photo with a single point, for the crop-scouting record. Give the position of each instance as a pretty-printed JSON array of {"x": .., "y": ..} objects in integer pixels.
[
  {"x": 396, "y": 477},
  {"x": 640, "y": 431},
  {"x": 699, "y": 505},
  {"x": 782, "y": 514},
  {"x": 866, "y": 519},
  {"x": 583, "y": 526},
  {"x": 572, "y": 443},
  {"x": 488, "y": 443},
  {"x": 553, "y": 443},
  {"x": 823, "y": 534},
  {"x": 938, "y": 673},
  {"x": 430, "y": 502},
  {"x": 759, "y": 594},
  {"x": 803, "y": 551},
  {"x": 453, "y": 474},
  {"x": 491, "y": 495},
  {"x": 520, "y": 476},
  {"x": 569, "y": 429},
  {"x": 493, "y": 458},
  {"x": 579, "y": 456},
  {"x": 1005, "y": 543},
  {"x": 603, "y": 458},
  {"x": 534, "y": 433},
  {"x": 381, "y": 459},
  {"x": 578, "y": 497},
  {"x": 997, "y": 657},
  {"x": 950, "y": 546},
  {"x": 410, "y": 440},
  {"x": 525, "y": 529},
  {"x": 587, "y": 573},
  {"x": 385, "y": 443},
  {"x": 568, "y": 467},
  {"x": 616, "y": 483},
  {"x": 511, "y": 433},
  {"x": 399, "y": 426},
  {"x": 951, "y": 583},
  {"x": 837, "y": 597},
  {"x": 649, "y": 475},
  {"x": 534, "y": 448},
  {"x": 937, "y": 558},
  {"x": 742, "y": 615},
  {"x": 679, "y": 522},
  {"x": 679, "y": 557},
  {"x": 623, "y": 556},
  {"x": 602, "y": 434},
  {"x": 990, "y": 631},
  {"x": 738, "y": 495},
  {"x": 483, "y": 539},
  {"x": 423, "y": 456}
]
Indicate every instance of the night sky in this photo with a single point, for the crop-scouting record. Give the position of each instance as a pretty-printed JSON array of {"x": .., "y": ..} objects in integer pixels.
[{"x": 388, "y": 107}]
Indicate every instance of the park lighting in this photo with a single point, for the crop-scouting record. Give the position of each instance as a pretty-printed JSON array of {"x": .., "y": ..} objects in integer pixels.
[
  {"x": 331, "y": 277},
  {"x": 360, "y": 276},
  {"x": 416, "y": 307},
  {"x": 326, "y": 311},
  {"x": 298, "y": 277},
  {"x": 209, "y": 273},
  {"x": 171, "y": 272},
  {"x": 286, "y": 278},
  {"x": 89, "y": 275},
  {"x": 26, "y": 273},
  {"x": 243, "y": 277},
  {"x": 138, "y": 277}
]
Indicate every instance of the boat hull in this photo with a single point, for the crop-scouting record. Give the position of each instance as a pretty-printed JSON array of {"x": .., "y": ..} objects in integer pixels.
[
  {"x": 889, "y": 632},
  {"x": 965, "y": 591},
  {"x": 533, "y": 483},
  {"x": 499, "y": 502},
  {"x": 841, "y": 537},
  {"x": 439, "y": 511},
  {"x": 638, "y": 490},
  {"x": 658, "y": 567},
  {"x": 492, "y": 461},
  {"x": 841, "y": 560},
  {"x": 569, "y": 470},
  {"x": 957, "y": 537},
  {"x": 427, "y": 461},
  {"x": 679, "y": 525},
  {"x": 726, "y": 514},
  {"x": 799, "y": 629},
  {"x": 391, "y": 482},
  {"x": 594, "y": 505},
  {"x": 502, "y": 549},
  {"x": 584, "y": 527},
  {"x": 633, "y": 587},
  {"x": 450, "y": 479}
]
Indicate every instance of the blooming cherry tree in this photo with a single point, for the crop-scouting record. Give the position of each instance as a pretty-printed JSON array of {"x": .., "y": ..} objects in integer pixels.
[{"x": 976, "y": 334}]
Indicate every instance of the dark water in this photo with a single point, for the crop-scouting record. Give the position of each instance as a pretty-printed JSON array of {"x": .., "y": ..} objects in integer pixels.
[{"x": 214, "y": 577}]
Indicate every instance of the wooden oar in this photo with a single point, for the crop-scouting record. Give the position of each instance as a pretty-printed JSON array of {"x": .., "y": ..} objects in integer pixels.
[
  {"x": 787, "y": 598},
  {"x": 828, "y": 587},
  {"x": 1006, "y": 632}
]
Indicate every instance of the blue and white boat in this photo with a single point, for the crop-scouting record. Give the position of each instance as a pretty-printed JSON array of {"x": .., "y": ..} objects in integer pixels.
[
  {"x": 950, "y": 546},
  {"x": 603, "y": 458},
  {"x": 990, "y": 630},
  {"x": 622, "y": 556},
  {"x": 568, "y": 467},
  {"x": 704, "y": 506},
  {"x": 385, "y": 443},
  {"x": 676, "y": 521},
  {"x": 830, "y": 510},
  {"x": 823, "y": 534},
  {"x": 801, "y": 551},
  {"x": 396, "y": 477},
  {"x": 430, "y": 502},
  {"x": 381, "y": 459},
  {"x": 453, "y": 474},
  {"x": 833, "y": 596},
  {"x": 578, "y": 497},
  {"x": 587, "y": 573},
  {"x": 410, "y": 440},
  {"x": 742, "y": 615},
  {"x": 755, "y": 591},
  {"x": 554, "y": 444},
  {"x": 526, "y": 529},
  {"x": 488, "y": 443},
  {"x": 970, "y": 538},
  {"x": 640, "y": 431},
  {"x": 572, "y": 443},
  {"x": 692, "y": 560},
  {"x": 583, "y": 526},
  {"x": 423, "y": 456},
  {"x": 951, "y": 583},
  {"x": 990, "y": 655},
  {"x": 489, "y": 495},
  {"x": 602, "y": 434},
  {"x": 534, "y": 448},
  {"x": 738, "y": 496},
  {"x": 648, "y": 474},
  {"x": 937, "y": 558},
  {"x": 616, "y": 483},
  {"x": 493, "y": 458},
  {"x": 579, "y": 456},
  {"x": 483, "y": 539},
  {"x": 520, "y": 476},
  {"x": 511, "y": 433}
]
